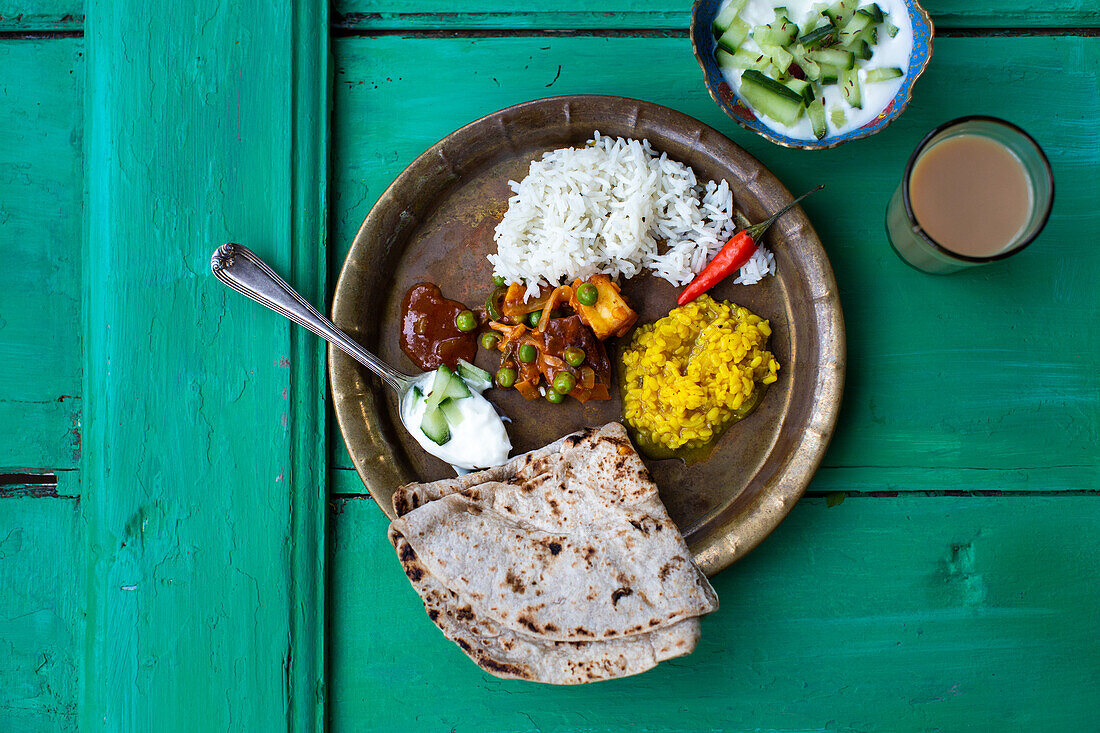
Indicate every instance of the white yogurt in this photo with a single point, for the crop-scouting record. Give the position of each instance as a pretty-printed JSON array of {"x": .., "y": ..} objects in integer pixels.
[
  {"x": 480, "y": 441},
  {"x": 876, "y": 96}
]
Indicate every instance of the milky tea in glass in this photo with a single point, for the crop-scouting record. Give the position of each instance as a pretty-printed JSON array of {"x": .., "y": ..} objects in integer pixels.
[{"x": 976, "y": 190}]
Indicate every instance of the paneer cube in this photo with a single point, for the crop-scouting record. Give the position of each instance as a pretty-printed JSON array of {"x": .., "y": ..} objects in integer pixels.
[{"x": 609, "y": 315}]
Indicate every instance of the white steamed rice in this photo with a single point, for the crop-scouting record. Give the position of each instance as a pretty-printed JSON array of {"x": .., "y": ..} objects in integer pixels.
[{"x": 615, "y": 207}]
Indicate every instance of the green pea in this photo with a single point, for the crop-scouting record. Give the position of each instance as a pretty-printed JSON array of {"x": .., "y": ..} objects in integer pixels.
[
  {"x": 574, "y": 356},
  {"x": 587, "y": 294},
  {"x": 506, "y": 377},
  {"x": 527, "y": 353},
  {"x": 489, "y": 340},
  {"x": 564, "y": 382},
  {"x": 533, "y": 318},
  {"x": 500, "y": 281},
  {"x": 554, "y": 397},
  {"x": 466, "y": 321}
]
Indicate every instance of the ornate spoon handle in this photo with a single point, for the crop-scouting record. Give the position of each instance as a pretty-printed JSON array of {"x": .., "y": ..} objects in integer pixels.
[{"x": 239, "y": 268}]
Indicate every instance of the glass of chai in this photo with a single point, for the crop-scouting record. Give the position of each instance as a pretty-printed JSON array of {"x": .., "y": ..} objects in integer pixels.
[{"x": 976, "y": 190}]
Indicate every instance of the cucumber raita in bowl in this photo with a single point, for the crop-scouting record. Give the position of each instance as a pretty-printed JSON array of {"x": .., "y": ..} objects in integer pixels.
[{"x": 812, "y": 74}]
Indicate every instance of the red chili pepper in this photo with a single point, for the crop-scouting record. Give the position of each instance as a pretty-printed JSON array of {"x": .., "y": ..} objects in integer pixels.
[{"x": 733, "y": 255}]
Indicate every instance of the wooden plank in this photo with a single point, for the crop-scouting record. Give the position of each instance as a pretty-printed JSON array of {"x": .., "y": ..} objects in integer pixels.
[
  {"x": 964, "y": 373},
  {"x": 41, "y": 15},
  {"x": 40, "y": 221},
  {"x": 41, "y": 630},
  {"x": 376, "y": 15},
  {"x": 621, "y": 14},
  {"x": 204, "y": 450},
  {"x": 874, "y": 615}
]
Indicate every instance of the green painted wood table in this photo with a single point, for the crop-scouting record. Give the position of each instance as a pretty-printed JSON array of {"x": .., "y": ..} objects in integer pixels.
[{"x": 185, "y": 546}]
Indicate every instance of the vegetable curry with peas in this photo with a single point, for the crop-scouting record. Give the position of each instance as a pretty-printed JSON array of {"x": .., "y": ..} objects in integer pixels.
[{"x": 550, "y": 346}]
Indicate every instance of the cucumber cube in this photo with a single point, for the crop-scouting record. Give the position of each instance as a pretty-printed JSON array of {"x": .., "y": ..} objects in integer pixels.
[
  {"x": 770, "y": 98},
  {"x": 850, "y": 88},
  {"x": 816, "y": 112},
  {"x": 452, "y": 413},
  {"x": 883, "y": 74},
  {"x": 434, "y": 425},
  {"x": 734, "y": 36},
  {"x": 726, "y": 15}
]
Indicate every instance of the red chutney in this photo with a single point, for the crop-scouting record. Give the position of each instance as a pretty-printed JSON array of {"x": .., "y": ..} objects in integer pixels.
[{"x": 429, "y": 335}]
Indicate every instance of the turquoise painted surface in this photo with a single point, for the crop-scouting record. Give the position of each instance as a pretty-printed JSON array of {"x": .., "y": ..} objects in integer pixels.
[
  {"x": 41, "y": 539},
  {"x": 381, "y": 14},
  {"x": 40, "y": 224},
  {"x": 41, "y": 15},
  {"x": 203, "y": 464},
  {"x": 68, "y": 15},
  {"x": 41, "y": 614}
]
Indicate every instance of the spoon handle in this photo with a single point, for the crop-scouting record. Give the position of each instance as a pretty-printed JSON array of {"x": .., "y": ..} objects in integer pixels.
[{"x": 239, "y": 268}]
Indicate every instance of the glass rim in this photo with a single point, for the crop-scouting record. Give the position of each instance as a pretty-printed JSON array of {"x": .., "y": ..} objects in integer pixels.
[{"x": 918, "y": 229}]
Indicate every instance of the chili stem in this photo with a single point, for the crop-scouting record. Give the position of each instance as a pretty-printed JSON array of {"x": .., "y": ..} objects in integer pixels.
[{"x": 756, "y": 230}]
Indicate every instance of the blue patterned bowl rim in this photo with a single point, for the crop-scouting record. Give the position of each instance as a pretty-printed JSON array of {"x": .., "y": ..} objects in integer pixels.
[{"x": 702, "y": 42}]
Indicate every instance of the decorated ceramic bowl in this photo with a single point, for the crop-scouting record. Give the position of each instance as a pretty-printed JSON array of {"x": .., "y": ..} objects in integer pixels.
[{"x": 703, "y": 42}]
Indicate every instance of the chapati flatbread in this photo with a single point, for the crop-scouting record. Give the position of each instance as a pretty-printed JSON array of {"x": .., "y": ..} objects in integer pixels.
[
  {"x": 515, "y": 655},
  {"x": 565, "y": 553}
]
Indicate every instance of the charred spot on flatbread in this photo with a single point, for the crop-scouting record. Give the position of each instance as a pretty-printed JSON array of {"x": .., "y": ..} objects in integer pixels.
[
  {"x": 526, "y": 622},
  {"x": 510, "y": 670},
  {"x": 618, "y": 594},
  {"x": 515, "y": 581},
  {"x": 572, "y": 441}
]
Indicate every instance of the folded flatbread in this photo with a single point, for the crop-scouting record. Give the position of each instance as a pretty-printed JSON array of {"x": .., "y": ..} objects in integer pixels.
[{"x": 560, "y": 566}]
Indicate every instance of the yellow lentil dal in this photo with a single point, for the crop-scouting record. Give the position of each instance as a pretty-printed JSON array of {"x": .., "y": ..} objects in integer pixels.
[{"x": 690, "y": 374}]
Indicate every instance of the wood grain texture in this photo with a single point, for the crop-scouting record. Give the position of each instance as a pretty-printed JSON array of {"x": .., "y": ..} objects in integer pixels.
[
  {"x": 41, "y": 15},
  {"x": 41, "y": 598},
  {"x": 40, "y": 223},
  {"x": 375, "y": 15},
  {"x": 203, "y": 461},
  {"x": 972, "y": 374},
  {"x": 618, "y": 14},
  {"x": 874, "y": 615}
]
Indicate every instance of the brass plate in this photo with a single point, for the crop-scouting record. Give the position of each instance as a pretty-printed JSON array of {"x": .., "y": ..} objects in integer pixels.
[{"x": 436, "y": 222}]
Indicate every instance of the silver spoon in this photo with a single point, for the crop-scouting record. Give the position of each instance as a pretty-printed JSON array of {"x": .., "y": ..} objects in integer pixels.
[{"x": 239, "y": 268}]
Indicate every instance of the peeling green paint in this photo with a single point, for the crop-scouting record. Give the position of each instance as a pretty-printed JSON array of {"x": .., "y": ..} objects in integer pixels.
[{"x": 203, "y": 456}]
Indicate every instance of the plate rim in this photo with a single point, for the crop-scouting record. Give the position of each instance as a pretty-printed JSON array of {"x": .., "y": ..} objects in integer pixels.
[{"x": 732, "y": 534}]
